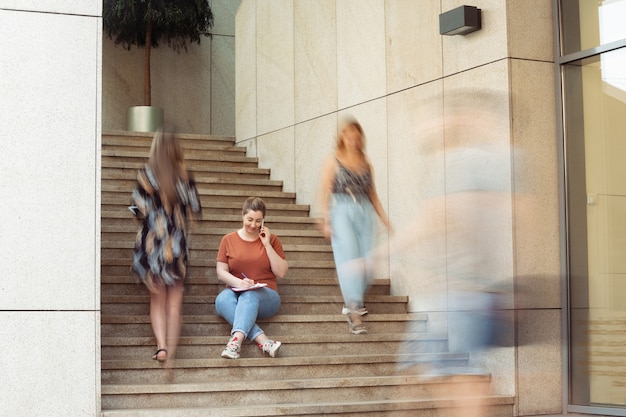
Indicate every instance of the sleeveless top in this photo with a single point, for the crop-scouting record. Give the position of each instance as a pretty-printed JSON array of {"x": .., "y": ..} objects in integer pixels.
[{"x": 353, "y": 184}]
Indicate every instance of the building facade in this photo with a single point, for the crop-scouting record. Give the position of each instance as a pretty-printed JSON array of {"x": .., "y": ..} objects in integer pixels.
[{"x": 542, "y": 81}]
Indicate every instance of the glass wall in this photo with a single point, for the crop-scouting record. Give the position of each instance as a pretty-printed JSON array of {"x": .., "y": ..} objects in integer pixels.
[{"x": 594, "y": 127}]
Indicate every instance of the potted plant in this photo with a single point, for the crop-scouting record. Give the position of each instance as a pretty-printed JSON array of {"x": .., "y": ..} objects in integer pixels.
[{"x": 146, "y": 23}]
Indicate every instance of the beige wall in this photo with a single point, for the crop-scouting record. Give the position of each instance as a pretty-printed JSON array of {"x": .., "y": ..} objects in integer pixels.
[
  {"x": 196, "y": 88},
  {"x": 301, "y": 65},
  {"x": 50, "y": 74}
]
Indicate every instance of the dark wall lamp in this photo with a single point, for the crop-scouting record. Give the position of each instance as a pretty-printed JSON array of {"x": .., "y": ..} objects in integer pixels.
[{"x": 459, "y": 21}]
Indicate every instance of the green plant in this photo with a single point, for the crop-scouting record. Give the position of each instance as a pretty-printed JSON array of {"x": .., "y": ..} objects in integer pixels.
[{"x": 145, "y": 23}]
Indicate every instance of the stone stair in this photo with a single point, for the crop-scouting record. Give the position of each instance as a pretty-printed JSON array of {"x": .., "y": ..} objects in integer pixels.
[{"x": 321, "y": 369}]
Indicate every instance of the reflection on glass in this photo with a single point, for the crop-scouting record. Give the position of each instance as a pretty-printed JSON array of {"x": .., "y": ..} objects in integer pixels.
[
  {"x": 595, "y": 107},
  {"x": 588, "y": 24}
]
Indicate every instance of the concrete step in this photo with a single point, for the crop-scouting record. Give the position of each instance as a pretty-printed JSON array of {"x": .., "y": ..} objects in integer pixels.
[
  {"x": 211, "y": 263},
  {"x": 188, "y": 145},
  {"x": 130, "y": 167},
  {"x": 119, "y": 267},
  {"x": 258, "y": 367},
  {"x": 305, "y": 390},
  {"x": 115, "y": 201},
  {"x": 222, "y": 195},
  {"x": 211, "y": 158},
  {"x": 209, "y": 182},
  {"x": 197, "y": 251},
  {"x": 191, "y": 347},
  {"x": 224, "y": 221},
  {"x": 203, "y": 325},
  {"x": 123, "y": 136},
  {"x": 116, "y": 305},
  {"x": 203, "y": 232},
  {"x": 241, "y": 170},
  {"x": 129, "y": 285},
  {"x": 121, "y": 171},
  {"x": 493, "y": 406}
]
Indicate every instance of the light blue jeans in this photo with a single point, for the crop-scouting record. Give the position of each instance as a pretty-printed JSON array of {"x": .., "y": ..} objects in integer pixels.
[
  {"x": 352, "y": 241},
  {"x": 242, "y": 309}
]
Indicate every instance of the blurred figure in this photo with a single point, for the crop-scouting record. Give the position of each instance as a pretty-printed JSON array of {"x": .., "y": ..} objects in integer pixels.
[
  {"x": 465, "y": 233},
  {"x": 248, "y": 261},
  {"x": 165, "y": 197},
  {"x": 349, "y": 205}
]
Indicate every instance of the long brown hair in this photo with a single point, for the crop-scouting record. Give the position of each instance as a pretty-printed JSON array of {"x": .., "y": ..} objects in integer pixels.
[
  {"x": 340, "y": 146},
  {"x": 166, "y": 161}
]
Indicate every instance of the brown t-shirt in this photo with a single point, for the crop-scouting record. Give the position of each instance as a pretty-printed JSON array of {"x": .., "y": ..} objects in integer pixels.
[{"x": 249, "y": 258}]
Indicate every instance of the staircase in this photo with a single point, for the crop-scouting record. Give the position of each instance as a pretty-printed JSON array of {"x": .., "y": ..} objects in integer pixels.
[{"x": 321, "y": 369}]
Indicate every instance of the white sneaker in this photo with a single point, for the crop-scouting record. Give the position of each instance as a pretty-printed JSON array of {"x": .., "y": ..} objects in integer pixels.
[
  {"x": 231, "y": 351},
  {"x": 361, "y": 311},
  {"x": 270, "y": 347}
]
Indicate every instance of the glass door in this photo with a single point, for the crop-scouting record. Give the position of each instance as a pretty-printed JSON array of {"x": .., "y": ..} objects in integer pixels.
[{"x": 594, "y": 91}]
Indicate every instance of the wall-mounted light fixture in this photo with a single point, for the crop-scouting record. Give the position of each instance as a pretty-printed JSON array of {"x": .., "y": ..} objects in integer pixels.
[{"x": 459, "y": 21}]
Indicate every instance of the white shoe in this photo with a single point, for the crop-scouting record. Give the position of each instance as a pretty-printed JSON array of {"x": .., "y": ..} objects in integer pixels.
[
  {"x": 270, "y": 347},
  {"x": 231, "y": 351},
  {"x": 361, "y": 311}
]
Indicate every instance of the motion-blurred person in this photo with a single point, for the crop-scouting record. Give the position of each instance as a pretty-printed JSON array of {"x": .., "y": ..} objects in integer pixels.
[
  {"x": 462, "y": 239},
  {"x": 349, "y": 205},
  {"x": 165, "y": 197},
  {"x": 248, "y": 261}
]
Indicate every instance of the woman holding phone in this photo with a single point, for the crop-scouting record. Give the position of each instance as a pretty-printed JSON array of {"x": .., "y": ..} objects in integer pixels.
[{"x": 248, "y": 261}]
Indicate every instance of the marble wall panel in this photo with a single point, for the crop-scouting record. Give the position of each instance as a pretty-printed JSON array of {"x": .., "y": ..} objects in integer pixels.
[
  {"x": 361, "y": 66},
  {"x": 539, "y": 362},
  {"x": 40, "y": 386},
  {"x": 50, "y": 78},
  {"x": 50, "y": 155},
  {"x": 413, "y": 44},
  {"x": 122, "y": 84},
  {"x": 315, "y": 57},
  {"x": 314, "y": 143},
  {"x": 246, "y": 75},
  {"x": 185, "y": 98},
  {"x": 275, "y": 65},
  {"x": 536, "y": 184},
  {"x": 223, "y": 86},
  {"x": 489, "y": 44},
  {"x": 276, "y": 151},
  {"x": 82, "y": 8},
  {"x": 530, "y": 29}
]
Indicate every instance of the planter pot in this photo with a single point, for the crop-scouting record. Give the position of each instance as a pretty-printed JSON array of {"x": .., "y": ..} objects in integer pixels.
[{"x": 145, "y": 118}]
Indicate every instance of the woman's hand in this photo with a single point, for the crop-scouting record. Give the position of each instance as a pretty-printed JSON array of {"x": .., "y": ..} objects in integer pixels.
[
  {"x": 246, "y": 283},
  {"x": 264, "y": 235}
]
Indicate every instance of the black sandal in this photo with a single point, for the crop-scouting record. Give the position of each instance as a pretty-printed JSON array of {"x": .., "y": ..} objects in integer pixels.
[{"x": 155, "y": 357}]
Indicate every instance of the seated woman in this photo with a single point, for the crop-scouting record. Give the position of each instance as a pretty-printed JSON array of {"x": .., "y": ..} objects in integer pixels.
[{"x": 249, "y": 256}]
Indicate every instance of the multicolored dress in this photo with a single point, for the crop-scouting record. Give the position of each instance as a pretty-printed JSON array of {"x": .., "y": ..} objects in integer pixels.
[{"x": 161, "y": 250}]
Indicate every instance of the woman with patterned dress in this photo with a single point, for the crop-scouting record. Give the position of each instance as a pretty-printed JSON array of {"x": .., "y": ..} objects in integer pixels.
[
  {"x": 165, "y": 197},
  {"x": 349, "y": 205}
]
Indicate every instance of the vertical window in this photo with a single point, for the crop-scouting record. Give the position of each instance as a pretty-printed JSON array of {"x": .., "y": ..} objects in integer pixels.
[{"x": 594, "y": 126}]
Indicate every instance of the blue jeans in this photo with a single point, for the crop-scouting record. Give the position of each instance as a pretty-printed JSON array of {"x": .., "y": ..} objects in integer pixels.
[
  {"x": 352, "y": 222},
  {"x": 241, "y": 309}
]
